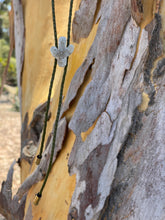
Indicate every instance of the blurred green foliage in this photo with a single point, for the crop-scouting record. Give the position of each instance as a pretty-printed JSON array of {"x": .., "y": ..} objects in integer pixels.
[
  {"x": 5, "y": 44},
  {"x": 15, "y": 103}
]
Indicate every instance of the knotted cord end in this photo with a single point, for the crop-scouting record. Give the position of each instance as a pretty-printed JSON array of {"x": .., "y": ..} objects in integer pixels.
[
  {"x": 38, "y": 159},
  {"x": 37, "y": 199}
]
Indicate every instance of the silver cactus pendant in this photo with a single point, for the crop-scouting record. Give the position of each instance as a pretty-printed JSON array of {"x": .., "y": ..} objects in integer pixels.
[{"x": 62, "y": 52}]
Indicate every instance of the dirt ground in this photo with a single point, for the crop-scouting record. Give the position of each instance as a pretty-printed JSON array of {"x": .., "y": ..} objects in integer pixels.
[{"x": 10, "y": 127}]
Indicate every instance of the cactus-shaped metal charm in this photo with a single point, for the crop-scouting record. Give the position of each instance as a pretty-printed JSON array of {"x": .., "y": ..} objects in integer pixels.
[{"x": 62, "y": 52}]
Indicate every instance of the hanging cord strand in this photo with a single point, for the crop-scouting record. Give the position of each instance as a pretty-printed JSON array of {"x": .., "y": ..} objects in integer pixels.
[
  {"x": 69, "y": 24},
  {"x": 59, "y": 106},
  {"x": 50, "y": 87},
  {"x": 54, "y": 24}
]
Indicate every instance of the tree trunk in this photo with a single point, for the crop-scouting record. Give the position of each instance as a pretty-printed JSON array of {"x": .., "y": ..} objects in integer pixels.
[{"x": 109, "y": 155}]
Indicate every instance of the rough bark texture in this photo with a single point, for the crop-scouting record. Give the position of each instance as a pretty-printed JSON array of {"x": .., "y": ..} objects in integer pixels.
[
  {"x": 10, "y": 208},
  {"x": 111, "y": 133},
  {"x": 19, "y": 34},
  {"x": 84, "y": 17},
  {"x": 139, "y": 183}
]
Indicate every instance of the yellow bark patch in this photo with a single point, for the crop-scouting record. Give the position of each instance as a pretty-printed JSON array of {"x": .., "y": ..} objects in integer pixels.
[
  {"x": 145, "y": 100},
  {"x": 148, "y": 6},
  {"x": 57, "y": 194},
  {"x": 162, "y": 32},
  {"x": 26, "y": 169},
  {"x": 147, "y": 12}
]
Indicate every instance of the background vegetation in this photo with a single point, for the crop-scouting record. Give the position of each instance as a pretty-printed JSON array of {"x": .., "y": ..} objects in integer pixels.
[{"x": 5, "y": 44}]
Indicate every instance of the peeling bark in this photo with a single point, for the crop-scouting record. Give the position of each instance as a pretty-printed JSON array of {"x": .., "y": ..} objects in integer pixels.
[
  {"x": 110, "y": 131},
  {"x": 41, "y": 169},
  {"x": 95, "y": 97},
  {"x": 30, "y": 134},
  {"x": 137, "y": 10},
  {"x": 84, "y": 19},
  {"x": 10, "y": 208},
  {"x": 77, "y": 81},
  {"x": 107, "y": 39},
  {"x": 29, "y": 213},
  {"x": 138, "y": 185},
  {"x": 155, "y": 50}
]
